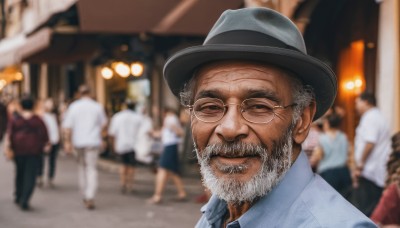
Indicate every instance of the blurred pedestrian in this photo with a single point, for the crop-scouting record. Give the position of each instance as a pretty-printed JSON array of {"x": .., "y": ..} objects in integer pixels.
[
  {"x": 331, "y": 154},
  {"x": 316, "y": 130},
  {"x": 372, "y": 148},
  {"x": 83, "y": 126},
  {"x": 171, "y": 134},
  {"x": 13, "y": 108},
  {"x": 387, "y": 212},
  {"x": 145, "y": 138},
  {"x": 3, "y": 122},
  {"x": 27, "y": 141},
  {"x": 50, "y": 120},
  {"x": 123, "y": 132}
]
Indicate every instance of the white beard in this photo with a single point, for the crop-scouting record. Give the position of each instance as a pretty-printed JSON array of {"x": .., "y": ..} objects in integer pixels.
[{"x": 274, "y": 166}]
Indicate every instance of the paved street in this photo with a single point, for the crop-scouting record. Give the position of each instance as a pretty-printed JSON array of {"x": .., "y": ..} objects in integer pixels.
[{"x": 62, "y": 207}]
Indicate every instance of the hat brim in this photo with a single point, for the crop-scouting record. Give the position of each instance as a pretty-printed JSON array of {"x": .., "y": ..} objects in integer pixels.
[{"x": 311, "y": 71}]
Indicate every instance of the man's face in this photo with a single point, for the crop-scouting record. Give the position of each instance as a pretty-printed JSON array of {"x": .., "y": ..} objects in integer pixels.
[
  {"x": 361, "y": 105},
  {"x": 242, "y": 160}
]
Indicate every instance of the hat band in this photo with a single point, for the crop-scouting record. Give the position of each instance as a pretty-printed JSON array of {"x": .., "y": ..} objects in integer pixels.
[{"x": 247, "y": 37}]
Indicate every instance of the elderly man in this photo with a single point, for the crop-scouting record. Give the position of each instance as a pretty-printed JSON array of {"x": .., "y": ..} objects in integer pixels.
[{"x": 253, "y": 92}]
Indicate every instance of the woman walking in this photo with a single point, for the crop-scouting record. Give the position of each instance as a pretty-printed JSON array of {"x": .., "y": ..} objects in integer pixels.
[
  {"x": 169, "y": 160},
  {"x": 50, "y": 120}
]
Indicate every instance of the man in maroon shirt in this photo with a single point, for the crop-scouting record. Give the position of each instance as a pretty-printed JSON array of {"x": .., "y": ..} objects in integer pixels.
[
  {"x": 27, "y": 139},
  {"x": 3, "y": 120}
]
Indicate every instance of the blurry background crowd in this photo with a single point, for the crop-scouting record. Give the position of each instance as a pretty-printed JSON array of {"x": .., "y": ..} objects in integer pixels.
[{"x": 118, "y": 48}]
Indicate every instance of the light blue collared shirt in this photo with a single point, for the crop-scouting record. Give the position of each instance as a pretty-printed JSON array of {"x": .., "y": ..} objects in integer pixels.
[{"x": 301, "y": 199}]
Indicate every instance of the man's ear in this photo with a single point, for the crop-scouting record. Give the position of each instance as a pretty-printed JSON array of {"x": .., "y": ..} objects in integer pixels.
[{"x": 303, "y": 124}]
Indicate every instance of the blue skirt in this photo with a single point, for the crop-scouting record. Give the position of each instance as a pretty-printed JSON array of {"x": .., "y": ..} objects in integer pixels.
[{"x": 169, "y": 159}]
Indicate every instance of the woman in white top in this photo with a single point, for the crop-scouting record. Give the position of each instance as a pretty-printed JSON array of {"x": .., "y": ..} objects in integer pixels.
[
  {"x": 144, "y": 138},
  {"x": 169, "y": 161},
  {"x": 50, "y": 120}
]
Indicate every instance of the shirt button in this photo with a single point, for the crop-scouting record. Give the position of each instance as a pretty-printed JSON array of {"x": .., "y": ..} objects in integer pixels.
[{"x": 234, "y": 224}]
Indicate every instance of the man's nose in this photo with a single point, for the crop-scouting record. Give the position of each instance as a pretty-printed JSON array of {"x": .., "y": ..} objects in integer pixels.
[{"x": 232, "y": 126}]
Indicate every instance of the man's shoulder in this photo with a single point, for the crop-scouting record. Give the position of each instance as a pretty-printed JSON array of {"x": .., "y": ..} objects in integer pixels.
[
  {"x": 127, "y": 115},
  {"x": 118, "y": 115},
  {"x": 83, "y": 103},
  {"x": 37, "y": 118},
  {"x": 130, "y": 113},
  {"x": 322, "y": 205},
  {"x": 138, "y": 117},
  {"x": 372, "y": 115}
]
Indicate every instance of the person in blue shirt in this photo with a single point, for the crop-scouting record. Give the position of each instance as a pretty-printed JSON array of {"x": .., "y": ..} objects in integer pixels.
[
  {"x": 331, "y": 155},
  {"x": 252, "y": 92}
]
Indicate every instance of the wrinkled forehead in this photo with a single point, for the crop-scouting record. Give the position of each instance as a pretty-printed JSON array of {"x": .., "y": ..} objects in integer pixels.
[{"x": 248, "y": 76}]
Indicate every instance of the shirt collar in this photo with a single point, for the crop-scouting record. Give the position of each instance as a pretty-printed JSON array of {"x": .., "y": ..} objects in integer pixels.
[
  {"x": 214, "y": 210},
  {"x": 274, "y": 204},
  {"x": 85, "y": 98},
  {"x": 277, "y": 202}
]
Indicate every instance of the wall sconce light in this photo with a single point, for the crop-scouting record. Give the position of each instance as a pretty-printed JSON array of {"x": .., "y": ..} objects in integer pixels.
[
  {"x": 349, "y": 85},
  {"x": 358, "y": 83},
  {"x": 107, "y": 73},
  {"x": 354, "y": 85},
  {"x": 137, "y": 69}
]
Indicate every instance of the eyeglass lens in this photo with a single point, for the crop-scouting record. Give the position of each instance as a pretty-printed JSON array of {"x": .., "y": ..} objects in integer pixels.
[{"x": 255, "y": 110}]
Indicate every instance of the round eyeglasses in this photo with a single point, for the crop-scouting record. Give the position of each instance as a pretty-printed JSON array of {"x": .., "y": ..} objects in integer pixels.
[{"x": 254, "y": 110}]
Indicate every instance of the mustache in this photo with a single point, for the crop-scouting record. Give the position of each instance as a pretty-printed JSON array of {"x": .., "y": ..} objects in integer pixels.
[{"x": 232, "y": 150}]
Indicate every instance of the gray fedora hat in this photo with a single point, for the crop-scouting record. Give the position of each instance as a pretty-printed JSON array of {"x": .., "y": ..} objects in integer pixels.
[{"x": 255, "y": 34}]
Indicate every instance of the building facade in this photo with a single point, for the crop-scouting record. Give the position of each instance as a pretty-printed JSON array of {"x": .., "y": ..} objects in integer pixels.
[{"x": 48, "y": 48}]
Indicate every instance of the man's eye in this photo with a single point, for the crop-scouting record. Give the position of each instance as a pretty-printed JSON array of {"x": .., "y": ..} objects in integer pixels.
[
  {"x": 258, "y": 108},
  {"x": 210, "y": 108}
]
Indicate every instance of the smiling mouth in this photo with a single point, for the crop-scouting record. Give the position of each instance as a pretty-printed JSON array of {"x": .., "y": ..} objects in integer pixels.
[
  {"x": 232, "y": 165},
  {"x": 234, "y": 155},
  {"x": 233, "y": 160}
]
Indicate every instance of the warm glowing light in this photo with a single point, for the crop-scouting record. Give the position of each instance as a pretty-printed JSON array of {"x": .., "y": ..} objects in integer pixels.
[
  {"x": 3, "y": 83},
  {"x": 349, "y": 85},
  {"x": 18, "y": 76},
  {"x": 358, "y": 83},
  {"x": 122, "y": 69},
  {"x": 137, "y": 69},
  {"x": 107, "y": 73}
]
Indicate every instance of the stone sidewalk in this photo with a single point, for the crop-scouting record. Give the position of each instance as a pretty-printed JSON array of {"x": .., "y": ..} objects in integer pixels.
[{"x": 62, "y": 207}]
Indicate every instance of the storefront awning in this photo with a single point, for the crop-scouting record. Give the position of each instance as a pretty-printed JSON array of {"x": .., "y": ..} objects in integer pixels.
[
  {"x": 194, "y": 17},
  {"x": 8, "y": 49},
  {"x": 96, "y": 17},
  {"x": 44, "y": 10},
  {"x": 166, "y": 17},
  {"x": 48, "y": 45},
  {"x": 122, "y": 16}
]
